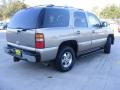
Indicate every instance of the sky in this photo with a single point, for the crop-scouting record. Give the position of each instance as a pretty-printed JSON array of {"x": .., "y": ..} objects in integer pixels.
[{"x": 83, "y": 4}]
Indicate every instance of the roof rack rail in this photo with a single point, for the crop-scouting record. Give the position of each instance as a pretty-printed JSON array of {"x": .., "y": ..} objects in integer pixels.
[
  {"x": 68, "y": 6},
  {"x": 81, "y": 9},
  {"x": 39, "y": 5},
  {"x": 50, "y": 5}
]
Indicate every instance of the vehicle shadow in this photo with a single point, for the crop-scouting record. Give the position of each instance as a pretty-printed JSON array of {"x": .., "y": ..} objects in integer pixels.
[{"x": 41, "y": 68}]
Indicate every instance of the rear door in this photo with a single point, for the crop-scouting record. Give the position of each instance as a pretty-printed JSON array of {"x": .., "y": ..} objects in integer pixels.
[
  {"x": 98, "y": 33},
  {"x": 82, "y": 32},
  {"x": 22, "y": 27}
]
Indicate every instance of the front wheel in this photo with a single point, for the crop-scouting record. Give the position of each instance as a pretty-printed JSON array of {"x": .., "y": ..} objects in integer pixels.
[
  {"x": 65, "y": 59},
  {"x": 107, "y": 47}
]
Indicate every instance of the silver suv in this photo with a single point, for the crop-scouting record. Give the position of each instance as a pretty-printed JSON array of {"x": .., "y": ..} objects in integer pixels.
[{"x": 60, "y": 34}]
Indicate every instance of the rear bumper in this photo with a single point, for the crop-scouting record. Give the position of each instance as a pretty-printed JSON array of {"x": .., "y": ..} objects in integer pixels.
[
  {"x": 45, "y": 54},
  {"x": 26, "y": 55}
]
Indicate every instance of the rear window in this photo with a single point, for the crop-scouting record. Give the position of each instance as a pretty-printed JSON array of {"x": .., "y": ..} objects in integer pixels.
[
  {"x": 54, "y": 17},
  {"x": 40, "y": 18},
  {"x": 26, "y": 19}
]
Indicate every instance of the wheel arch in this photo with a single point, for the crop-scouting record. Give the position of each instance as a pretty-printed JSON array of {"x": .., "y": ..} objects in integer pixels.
[{"x": 71, "y": 43}]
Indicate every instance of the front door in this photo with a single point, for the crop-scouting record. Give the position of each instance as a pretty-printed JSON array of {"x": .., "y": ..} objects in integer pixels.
[{"x": 98, "y": 32}]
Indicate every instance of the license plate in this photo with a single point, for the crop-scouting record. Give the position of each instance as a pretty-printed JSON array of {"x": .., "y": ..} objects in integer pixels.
[{"x": 18, "y": 52}]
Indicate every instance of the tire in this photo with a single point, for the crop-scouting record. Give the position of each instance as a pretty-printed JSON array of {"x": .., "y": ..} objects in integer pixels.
[
  {"x": 113, "y": 40},
  {"x": 16, "y": 59},
  {"x": 107, "y": 47},
  {"x": 65, "y": 59}
]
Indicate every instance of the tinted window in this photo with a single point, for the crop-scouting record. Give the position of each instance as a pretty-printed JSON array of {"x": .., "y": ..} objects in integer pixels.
[
  {"x": 56, "y": 18},
  {"x": 93, "y": 20},
  {"x": 25, "y": 19},
  {"x": 80, "y": 19}
]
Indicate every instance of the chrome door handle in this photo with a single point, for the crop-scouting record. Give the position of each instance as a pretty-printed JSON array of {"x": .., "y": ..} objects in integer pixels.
[{"x": 78, "y": 32}]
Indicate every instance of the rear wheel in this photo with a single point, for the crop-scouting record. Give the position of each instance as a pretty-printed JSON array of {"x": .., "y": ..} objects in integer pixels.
[
  {"x": 65, "y": 59},
  {"x": 107, "y": 47}
]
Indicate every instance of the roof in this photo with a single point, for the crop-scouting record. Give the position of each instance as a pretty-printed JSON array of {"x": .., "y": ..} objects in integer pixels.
[{"x": 54, "y": 6}]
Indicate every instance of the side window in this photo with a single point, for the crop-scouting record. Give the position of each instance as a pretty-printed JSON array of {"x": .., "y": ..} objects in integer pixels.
[
  {"x": 80, "y": 19},
  {"x": 93, "y": 20},
  {"x": 56, "y": 18}
]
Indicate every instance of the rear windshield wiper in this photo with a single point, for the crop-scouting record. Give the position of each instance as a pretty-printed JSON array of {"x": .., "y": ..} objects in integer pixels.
[{"x": 22, "y": 29}]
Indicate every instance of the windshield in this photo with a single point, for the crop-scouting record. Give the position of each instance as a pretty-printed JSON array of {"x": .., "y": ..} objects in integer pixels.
[{"x": 25, "y": 19}]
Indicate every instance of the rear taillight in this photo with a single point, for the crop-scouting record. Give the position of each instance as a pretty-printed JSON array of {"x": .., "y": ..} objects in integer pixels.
[{"x": 39, "y": 41}]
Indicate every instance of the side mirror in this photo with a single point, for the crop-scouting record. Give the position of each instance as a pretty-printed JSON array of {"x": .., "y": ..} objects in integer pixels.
[
  {"x": 97, "y": 25},
  {"x": 5, "y": 26},
  {"x": 104, "y": 24}
]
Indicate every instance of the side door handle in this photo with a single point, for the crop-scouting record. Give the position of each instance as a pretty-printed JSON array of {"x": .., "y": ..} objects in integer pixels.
[{"x": 78, "y": 32}]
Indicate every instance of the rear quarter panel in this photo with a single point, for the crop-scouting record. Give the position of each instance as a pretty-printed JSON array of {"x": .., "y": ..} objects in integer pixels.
[{"x": 55, "y": 36}]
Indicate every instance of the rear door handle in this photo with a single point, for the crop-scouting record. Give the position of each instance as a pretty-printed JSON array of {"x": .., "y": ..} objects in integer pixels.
[{"x": 78, "y": 32}]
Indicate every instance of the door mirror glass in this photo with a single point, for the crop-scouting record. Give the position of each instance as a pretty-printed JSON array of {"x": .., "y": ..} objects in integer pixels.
[{"x": 104, "y": 24}]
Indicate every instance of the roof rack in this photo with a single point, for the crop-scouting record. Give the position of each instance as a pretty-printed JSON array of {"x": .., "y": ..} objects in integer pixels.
[
  {"x": 49, "y": 5},
  {"x": 52, "y": 5},
  {"x": 81, "y": 9}
]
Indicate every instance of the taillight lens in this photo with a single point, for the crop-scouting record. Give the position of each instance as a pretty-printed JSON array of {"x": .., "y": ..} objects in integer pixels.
[{"x": 39, "y": 41}]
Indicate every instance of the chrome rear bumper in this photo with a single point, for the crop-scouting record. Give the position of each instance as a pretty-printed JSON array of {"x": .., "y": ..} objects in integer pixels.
[{"x": 26, "y": 55}]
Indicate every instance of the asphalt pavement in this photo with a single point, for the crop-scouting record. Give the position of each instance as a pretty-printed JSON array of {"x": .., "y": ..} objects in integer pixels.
[{"x": 97, "y": 71}]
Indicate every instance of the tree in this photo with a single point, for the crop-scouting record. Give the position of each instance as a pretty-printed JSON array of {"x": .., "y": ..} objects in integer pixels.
[
  {"x": 11, "y": 8},
  {"x": 96, "y": 10},
  {"x": 110, "y": 12},
  {"x": 3, "y": 2}
]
